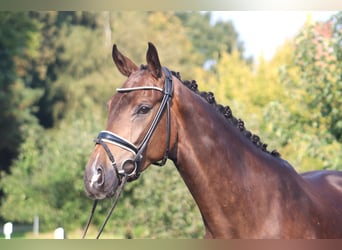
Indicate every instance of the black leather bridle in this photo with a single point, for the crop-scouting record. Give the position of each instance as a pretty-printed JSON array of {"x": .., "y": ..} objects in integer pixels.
[
  {"x": 105, "y": 137},
  {"x": 112, "y": 138}
]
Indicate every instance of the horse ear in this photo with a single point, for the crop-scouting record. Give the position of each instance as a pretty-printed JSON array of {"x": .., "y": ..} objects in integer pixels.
[
  {"x": 153, "y": 62},
  {"x": 124, "y": 64}
]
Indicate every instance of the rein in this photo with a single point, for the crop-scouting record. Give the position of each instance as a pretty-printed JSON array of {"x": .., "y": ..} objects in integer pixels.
[
  {"x": 117, "y": 196},
  {"x": 105, "y": 137}
]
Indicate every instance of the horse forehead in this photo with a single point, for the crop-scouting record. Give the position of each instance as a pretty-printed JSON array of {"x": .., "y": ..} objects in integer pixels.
[{"x": 138, "y": 78}]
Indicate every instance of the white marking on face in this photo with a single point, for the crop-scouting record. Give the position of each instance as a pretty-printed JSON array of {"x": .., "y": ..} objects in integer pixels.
[
  {"x": 96, "y": 175},
  {"x": 94, "y": 179}
]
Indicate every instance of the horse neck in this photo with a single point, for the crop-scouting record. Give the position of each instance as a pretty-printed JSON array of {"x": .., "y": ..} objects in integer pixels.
[{"x": 216, "y": 161}]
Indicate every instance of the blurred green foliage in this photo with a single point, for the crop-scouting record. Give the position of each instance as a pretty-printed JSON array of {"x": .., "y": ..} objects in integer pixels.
[
  {"x": 19, "y": 40},
  {"x": 58, "y": 75},
  {"x": 312, "y": 101}
]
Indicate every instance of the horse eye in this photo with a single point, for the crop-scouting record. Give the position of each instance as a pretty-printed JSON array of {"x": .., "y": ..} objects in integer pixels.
[{"x": 143, "y": 109}]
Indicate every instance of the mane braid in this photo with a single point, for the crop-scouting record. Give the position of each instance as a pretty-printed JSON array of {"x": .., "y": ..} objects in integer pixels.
[{"x": 227, "y": 113}]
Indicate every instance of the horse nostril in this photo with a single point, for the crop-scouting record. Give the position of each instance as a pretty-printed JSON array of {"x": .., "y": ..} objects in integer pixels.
[
  {"x": 100, "y": 174},
  {"x": 98, "y": 177}
]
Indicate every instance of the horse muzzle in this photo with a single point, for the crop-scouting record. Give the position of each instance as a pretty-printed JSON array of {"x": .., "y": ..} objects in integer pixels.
[{"x": 100, "y": 182}]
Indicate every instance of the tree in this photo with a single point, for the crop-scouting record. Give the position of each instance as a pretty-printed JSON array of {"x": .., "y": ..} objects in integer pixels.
[
  {"x": 50, "y": 64},
  {"x": 319, "y": 47},
  {"x": 19, "y": 39},
  {"x": 46, "y": 179},
  {"x": 210, "y": 40},
  {"x": 312, "y": 103}
]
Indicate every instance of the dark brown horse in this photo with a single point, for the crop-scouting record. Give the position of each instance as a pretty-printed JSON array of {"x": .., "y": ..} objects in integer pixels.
[{"x": 242, "y": 190}]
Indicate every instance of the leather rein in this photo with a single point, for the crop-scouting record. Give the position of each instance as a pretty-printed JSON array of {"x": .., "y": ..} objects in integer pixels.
[{"x": 105, "y": 137}]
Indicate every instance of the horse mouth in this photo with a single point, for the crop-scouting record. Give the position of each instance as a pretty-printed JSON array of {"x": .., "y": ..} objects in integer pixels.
[{"x": 100, "y": 194}]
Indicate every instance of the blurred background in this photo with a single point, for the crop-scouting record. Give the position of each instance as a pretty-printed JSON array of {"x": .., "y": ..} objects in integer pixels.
[{"x": 56, "y": 75}]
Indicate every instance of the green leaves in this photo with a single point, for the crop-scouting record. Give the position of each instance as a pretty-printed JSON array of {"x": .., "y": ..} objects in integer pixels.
[
  {"x": 19, "y": 39},
  {"x": 311, "y": 107}
]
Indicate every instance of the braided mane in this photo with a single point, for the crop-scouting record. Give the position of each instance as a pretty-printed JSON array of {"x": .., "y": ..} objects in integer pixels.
[{"x": 227, "y": 113}]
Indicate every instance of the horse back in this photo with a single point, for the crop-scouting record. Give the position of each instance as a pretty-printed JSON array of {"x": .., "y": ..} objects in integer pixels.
[
  {"x": 325, "y": 182},
  {"x": 327, "y": 185},
  {"x": 325, "y": 188}
]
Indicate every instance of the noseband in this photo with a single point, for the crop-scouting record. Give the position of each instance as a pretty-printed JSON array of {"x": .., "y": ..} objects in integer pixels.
[{"x": 105, "y": 137}]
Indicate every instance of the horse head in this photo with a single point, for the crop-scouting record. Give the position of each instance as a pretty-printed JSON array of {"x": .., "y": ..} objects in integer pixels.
[{"x": 139, "y": 129}]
